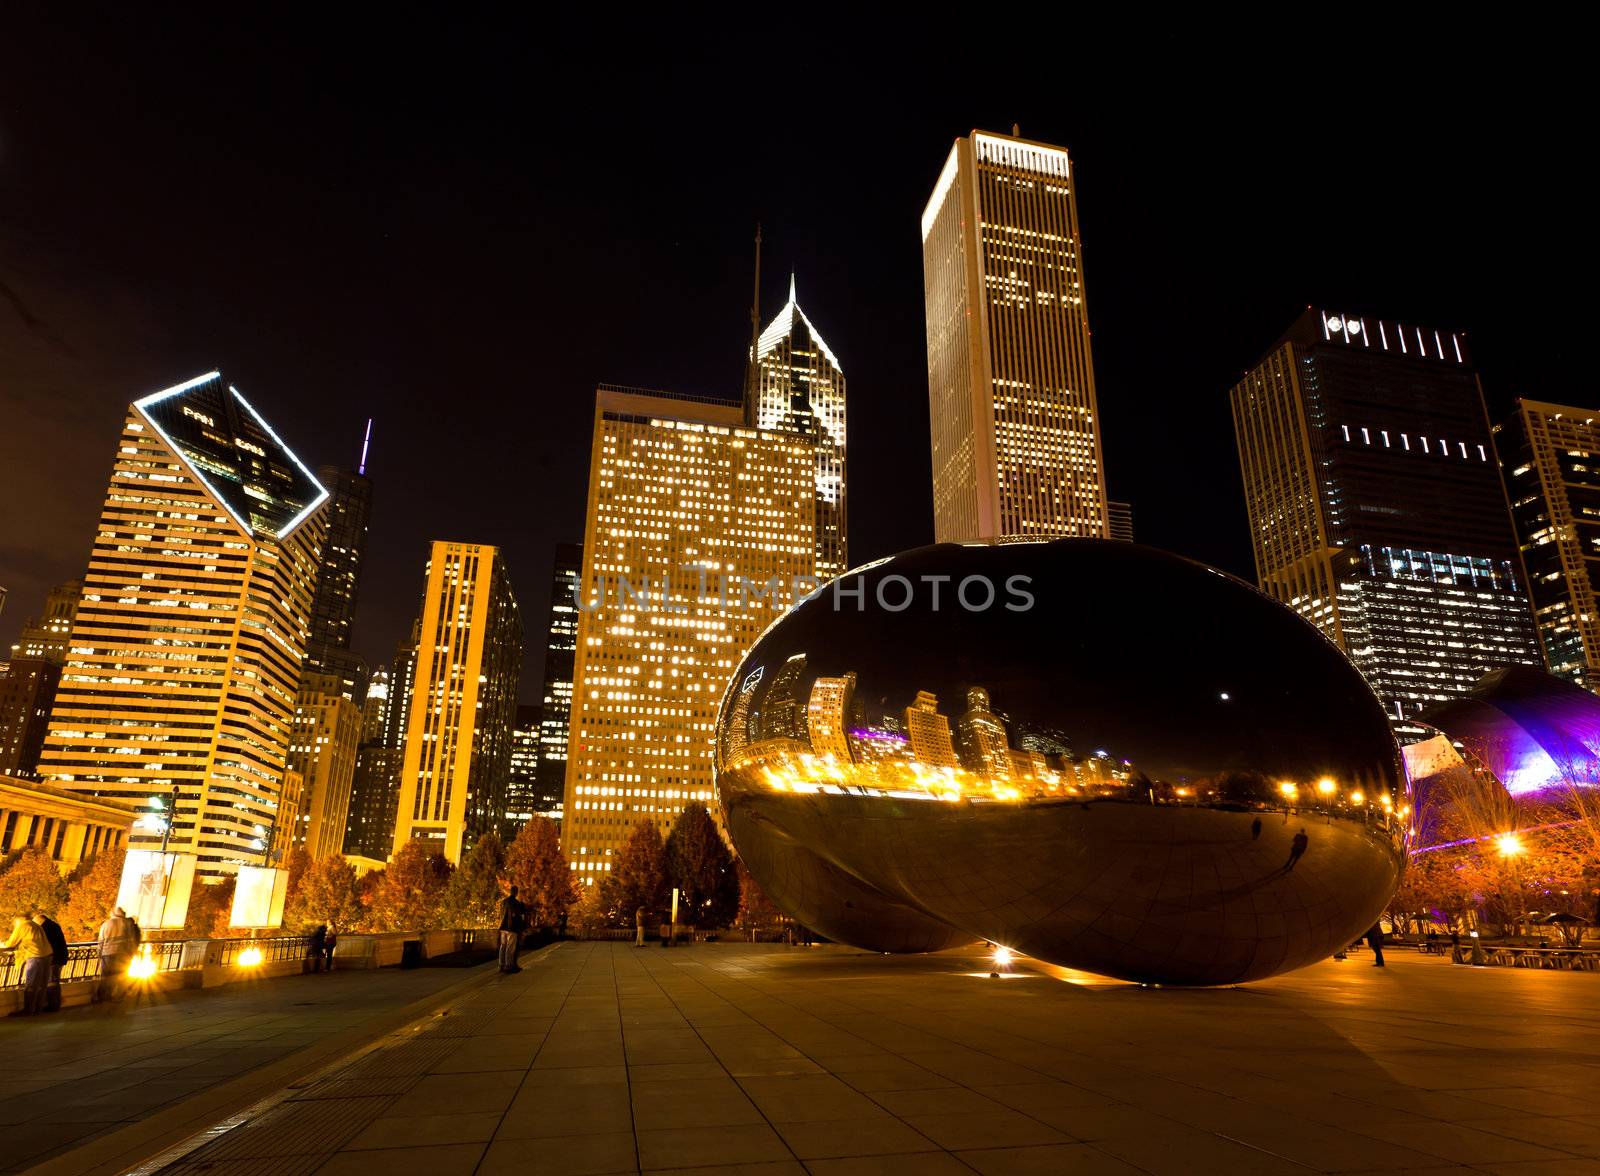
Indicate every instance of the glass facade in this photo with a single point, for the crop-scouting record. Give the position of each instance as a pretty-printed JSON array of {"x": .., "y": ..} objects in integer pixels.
[
  {"x": 561, "y": 644},
  {"x": 1551, "y": 457},
  {"x": 1376, "y": 506},
  {"x": 333, "y": 611}
]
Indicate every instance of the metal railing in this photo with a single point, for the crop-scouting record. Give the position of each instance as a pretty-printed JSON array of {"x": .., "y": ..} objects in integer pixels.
[
  {"x": 83, "y": 961},
  {"x": 274, "y": 949}
]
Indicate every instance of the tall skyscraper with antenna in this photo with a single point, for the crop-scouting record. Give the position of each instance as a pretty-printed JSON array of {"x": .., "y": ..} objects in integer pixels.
[{"x": 1015, "y": 430}]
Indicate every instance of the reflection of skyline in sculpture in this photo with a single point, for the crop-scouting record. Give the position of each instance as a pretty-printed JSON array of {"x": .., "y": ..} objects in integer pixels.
[{"x": 1054, "y": 803}]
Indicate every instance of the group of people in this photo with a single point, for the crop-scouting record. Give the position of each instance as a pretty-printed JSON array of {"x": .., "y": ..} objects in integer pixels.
[
  {"x": 39, "y": 946},
  {"x": 319, "y": 948}
]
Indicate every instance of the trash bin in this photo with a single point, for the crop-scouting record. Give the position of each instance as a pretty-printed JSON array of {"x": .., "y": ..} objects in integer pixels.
[{"x": 411, "y": 954}]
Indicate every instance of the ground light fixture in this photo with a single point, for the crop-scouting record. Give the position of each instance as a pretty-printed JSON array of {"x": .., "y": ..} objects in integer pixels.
[
  {"x": 142, "y": 968},
  {"x": 250, "y": 957}
]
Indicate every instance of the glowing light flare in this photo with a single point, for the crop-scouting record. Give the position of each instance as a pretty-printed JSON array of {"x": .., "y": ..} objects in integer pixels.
[
  {"x": 1509, "y": 845},
  {"x": 1002, "y": 956},
  {"x": 250, "y": 957},
  {"x": 1326, "y": 786},
  {"x": 142, "y": 968}
]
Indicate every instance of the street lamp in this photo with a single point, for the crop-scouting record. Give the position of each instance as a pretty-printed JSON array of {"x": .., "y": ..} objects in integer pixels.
[{"x": 1511, "y": 848}]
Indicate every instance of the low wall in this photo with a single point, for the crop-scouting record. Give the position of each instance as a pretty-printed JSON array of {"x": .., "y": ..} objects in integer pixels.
[{"x": 211, "y": 963}]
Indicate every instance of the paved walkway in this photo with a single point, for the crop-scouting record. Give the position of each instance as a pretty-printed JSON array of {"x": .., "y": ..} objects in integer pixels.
[
  {"x": 731, "y": 1059},
  {"x": 74, "y": 1075}
]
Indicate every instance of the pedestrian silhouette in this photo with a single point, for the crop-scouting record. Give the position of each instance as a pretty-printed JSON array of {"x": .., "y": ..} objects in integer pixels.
[
  {"x": 1297, "y": 849},
  {"x": 1375, "y": 939},
  {"x": 1255, "y": 829}
]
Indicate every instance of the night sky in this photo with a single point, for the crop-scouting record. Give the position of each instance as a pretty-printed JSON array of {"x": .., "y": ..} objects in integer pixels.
[{"x": 459, "y": 230}]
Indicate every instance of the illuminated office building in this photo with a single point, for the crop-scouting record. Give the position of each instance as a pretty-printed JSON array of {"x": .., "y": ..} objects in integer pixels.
[
  {"x": 697, "y": 527},
  {"x": 375, "y": 705},
  {"x": 45, "y": 636},
  {"x": 828, "y": 716},
  {"x": 561, "y": 644},
  {"x": 522, "y": 792},
  {"x": 1550, "y": 454},
  {"x": 333, "y": 610},
  {"x": 981, "y": 737},
  {"x": 27, "y": 690},
  {"x": 800, "y": 389},
  {"x": 1376, "y": 506},
  {"x": 323, "y": 747},
  {"x": 928, "y": 733},
  {"x": 1015, "y": 430},
  {"x": 186, "y": 649},
  {"x": 463, "y": 702}
]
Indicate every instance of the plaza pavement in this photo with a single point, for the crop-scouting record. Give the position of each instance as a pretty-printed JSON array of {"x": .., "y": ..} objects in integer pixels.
[
  {"x": 82, "y": 1073},
  {"x": 732, "y": 1058}
]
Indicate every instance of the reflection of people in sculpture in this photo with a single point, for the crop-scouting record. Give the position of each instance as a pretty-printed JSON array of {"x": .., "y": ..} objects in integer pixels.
[{"x": 1297, "y": 849}]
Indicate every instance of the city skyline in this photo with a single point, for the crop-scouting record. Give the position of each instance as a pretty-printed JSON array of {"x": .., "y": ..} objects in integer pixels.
[{"x": 102, "y": 318}]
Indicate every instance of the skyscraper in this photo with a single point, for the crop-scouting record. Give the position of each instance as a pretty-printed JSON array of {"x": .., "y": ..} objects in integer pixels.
[
  {"x": 45, "y": 636},
  {"x": 186, "y": 649},
  {"x": 697, "y": 527},
  {"x": 339, "y": 577},
  {"x": 1549, "y": 453},
  {"x": 464, "y": 702},
  {"x": 1376, "y": 507},
  {"x": 555, "y": 711},
  {"x": 326, "y": 735},
  {"x": 828, "y": 717},
  {"x": 375, "y": 791},
  {"x": 522, "y": 793},
  {"x": 27, "y": 691},
  {"x": 1119, "y": 517},
  {"x": 800, "y": 389},
  {"x": 1015, "y": 429},
  {"x": 928, "y": 733}
]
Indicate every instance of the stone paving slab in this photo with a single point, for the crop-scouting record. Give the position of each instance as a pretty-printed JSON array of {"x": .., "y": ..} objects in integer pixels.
[
  {"x": 729, "y": 1058},
  {"x": 79, "y": 1074}
]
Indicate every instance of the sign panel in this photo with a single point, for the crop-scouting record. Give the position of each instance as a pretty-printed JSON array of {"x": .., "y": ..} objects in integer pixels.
[
  {"x": 258, "y": 898},
  {"x": 155, "y": 888}
]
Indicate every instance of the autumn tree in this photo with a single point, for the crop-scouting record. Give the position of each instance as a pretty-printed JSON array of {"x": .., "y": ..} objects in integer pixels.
[
  {"x": 700, "y": 866},
  {"x": 473, "y": 896},
  {"x": 637, "y": 878},
  {"x": 410, "y": 896},
  {"x": 92, "y": 892},
  {"x": 327, "y": 894},
  {"x": 210, "y": 910},
  {"x": 295, "y": 862},
  {"x": 539, "y": 870},
  {"x": 32, "y": 882}
]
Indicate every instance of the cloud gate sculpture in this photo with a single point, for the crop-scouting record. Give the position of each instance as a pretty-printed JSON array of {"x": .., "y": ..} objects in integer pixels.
[{"x": 1095, "y": 753}]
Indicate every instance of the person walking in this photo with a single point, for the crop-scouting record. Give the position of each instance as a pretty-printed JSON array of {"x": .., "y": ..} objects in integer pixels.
[
  {"x": 1255, "y": 829},
  {"x": 513, "y": 917},
  {"x": 1375, "y": 941},
  {"x": 118, "y": 938},
  {"x": 1297, "y": 849},
  {"x": 31, "y": 950},
  {"x": 638, "y": 927},
  {"x": 58, "y": 959}
]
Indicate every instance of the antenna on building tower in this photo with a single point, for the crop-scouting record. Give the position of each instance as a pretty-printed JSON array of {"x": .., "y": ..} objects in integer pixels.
[
  {"x": 365, "y": 442},
  {"x": 755, "y": 337}
]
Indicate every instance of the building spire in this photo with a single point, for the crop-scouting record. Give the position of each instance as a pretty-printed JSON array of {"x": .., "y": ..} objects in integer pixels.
[
  {"x": 365, "y": 443},
  {"x": 755, "y": 337},
  {"x": 791, "y": 287}
]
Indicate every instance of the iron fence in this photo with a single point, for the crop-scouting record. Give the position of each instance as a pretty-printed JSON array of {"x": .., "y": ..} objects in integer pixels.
[{"x": 83, "y": 961}]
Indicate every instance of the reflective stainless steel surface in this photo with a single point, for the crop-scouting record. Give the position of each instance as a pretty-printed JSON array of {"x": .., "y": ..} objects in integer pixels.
[{"x": 1096, "y": 753}]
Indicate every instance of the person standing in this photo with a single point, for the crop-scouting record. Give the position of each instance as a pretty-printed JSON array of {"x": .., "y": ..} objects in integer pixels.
[
  {"x": 638, "y": 927},
  {"x": 58, "y": 959},
  {"x": 1375, "y": 941},
  {"x": 328, "y": 944},
  {"x": 31, "y": 950},
  {"x": 513, "y": 917},
  {"x": 314, "y": 946},
  {"x": 118, "y": 938},
  {"x": 1255, "y": 829}
]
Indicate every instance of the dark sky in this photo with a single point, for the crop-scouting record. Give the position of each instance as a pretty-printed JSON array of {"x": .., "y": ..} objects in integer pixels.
[{"x": 460, "y": 228}]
